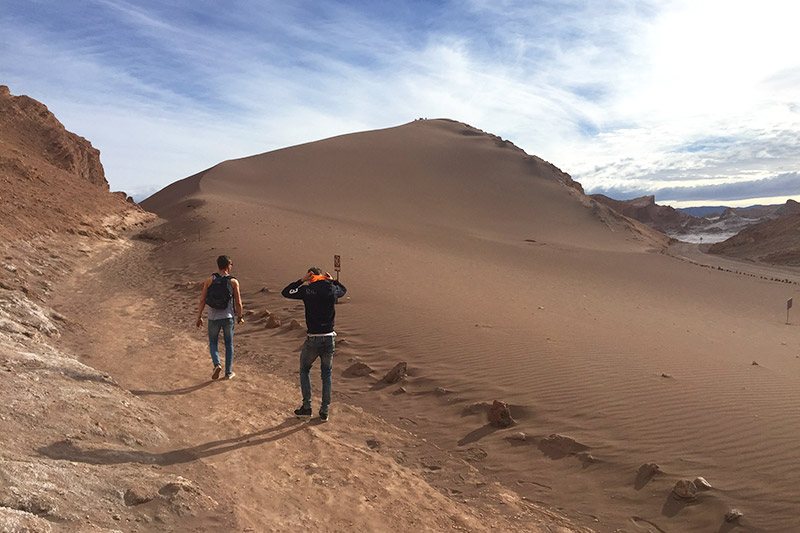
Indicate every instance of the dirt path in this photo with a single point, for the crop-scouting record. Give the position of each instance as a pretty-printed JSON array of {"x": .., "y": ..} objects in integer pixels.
[{"x": 236, "y": 440}]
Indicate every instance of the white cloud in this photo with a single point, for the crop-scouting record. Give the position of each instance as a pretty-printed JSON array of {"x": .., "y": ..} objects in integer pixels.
[{"x": 618, "y": 94}]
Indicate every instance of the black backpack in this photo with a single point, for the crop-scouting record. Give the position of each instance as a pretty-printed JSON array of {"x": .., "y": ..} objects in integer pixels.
[{"x": 219, "y": 292}]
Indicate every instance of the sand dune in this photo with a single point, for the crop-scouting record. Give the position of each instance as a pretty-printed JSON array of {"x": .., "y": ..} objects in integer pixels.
[
  {"x": 494, "y": 277},
  {"x": 428, "y": 177},
  {"x": 111, "y": 421}
]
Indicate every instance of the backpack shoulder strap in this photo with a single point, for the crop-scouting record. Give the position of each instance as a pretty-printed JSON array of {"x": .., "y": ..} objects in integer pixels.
[{"x": 230, "y": 287}]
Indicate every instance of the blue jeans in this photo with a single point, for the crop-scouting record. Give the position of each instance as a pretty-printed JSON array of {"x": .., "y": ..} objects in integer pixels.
[
  {"x": 226, "y": 325},
  {"x": 314, "y": 347}
]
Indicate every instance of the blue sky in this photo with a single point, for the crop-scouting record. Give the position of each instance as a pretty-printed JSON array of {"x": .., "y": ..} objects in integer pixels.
[{"x": 695, "y": 102}]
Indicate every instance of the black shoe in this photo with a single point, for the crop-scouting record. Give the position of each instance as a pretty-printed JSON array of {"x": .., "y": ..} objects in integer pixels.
[
  {"x": 323, "y": 416},
  {"x": 303, "y": 411}
]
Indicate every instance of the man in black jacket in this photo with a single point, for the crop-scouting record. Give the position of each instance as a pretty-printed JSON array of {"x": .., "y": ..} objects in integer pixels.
[{"x": 319, "y": 298}]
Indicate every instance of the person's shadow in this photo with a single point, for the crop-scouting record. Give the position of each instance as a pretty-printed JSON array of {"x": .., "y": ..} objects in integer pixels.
[
  {"x": 67, "y": 450},
  {"x": 174, "y": 392}
]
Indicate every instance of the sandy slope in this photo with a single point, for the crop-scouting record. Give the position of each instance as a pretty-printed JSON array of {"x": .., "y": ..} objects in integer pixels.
[
  {"x": 110, "y": 421},
  {"x": 248, "y": 463},
  {"x": 495, "y": 279}
]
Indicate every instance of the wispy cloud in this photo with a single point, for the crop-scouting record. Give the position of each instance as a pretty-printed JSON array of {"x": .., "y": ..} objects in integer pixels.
[{"x": 626, "y": 96}]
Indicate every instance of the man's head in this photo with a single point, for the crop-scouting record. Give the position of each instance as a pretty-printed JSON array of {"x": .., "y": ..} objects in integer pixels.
[
  {"x": 314, "y": 270},
  {"x": 223, "y": 262}
]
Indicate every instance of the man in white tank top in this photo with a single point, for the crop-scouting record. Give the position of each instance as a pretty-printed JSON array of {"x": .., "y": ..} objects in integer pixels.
[{"x": 224, "y": 300}]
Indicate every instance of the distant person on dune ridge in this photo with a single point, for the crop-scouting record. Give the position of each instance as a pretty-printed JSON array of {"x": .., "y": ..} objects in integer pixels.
[
  {"x": 319, "y": 298},
  {"x": 221, "y": 294}
]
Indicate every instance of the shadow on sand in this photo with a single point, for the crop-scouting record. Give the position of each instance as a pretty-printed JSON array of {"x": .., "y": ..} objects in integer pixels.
[
  {"x": 673, "y": 506},
  {"x": 477, "y": 434},
  {"x": 185, "y": 390},
  {"x": 67, "y": 450}
]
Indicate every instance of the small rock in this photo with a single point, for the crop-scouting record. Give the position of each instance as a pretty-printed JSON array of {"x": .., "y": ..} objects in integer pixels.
[
  {"x": 646, "y": 472},
  {"x": 650, "y": 468},
  {"x": 520, "y": 436},
  {"x": 401, "y": 390},
  {"x": 500, "y": 415},
  {"x": 685, "y": 490},
  {"x": 755, "y": 363},
  {"x": 702, "y": 484},
  {"x": 373, "y": 444},
  {"x": 558, "y": 446},
  {"x": 264, "y": 289},
  {"x": 473, "y": 455},
  {"x": 358, "y": 370},
  {"x": 666, "y": 376},
  {"x": 263, "y": 314},
  {"x": 397, "y": 373},
  {"x": 273, "y": 322},
  {"x": 475, "y": 408},
  {"x": 587, "y": 458},
  {"x": 440, "y": 391},
  {"x": 136, "y": 496},
  {"x": 294, "y": 324},
  {"x": 733, "y": 515}
]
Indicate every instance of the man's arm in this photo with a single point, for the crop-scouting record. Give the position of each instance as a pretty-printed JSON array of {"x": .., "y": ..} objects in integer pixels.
[
  {"x": 339, "y": 289},
  {"x": 294, "y": 290},
  {"x": 237, "y": 299},
  {"x": 202, "y": 304}
]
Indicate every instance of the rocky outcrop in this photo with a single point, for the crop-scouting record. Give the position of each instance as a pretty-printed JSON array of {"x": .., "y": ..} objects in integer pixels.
[
  {"x": 51, "y": 180},
  {"x": 397, "y": 373},
  {"x": 28, "y": 126},
  {"x": 645, "y": 209},
  {"x": 774, "y": 241},
  {"x": 500, "y": 415},
  {"x": 789, "y": 208}
]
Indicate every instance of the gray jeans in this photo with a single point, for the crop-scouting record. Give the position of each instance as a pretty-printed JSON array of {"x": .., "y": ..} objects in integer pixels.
[{"x": 313, "y": 348}]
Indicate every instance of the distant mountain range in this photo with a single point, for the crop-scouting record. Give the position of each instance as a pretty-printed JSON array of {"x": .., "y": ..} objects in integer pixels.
[{"x": 711, "y": 224}]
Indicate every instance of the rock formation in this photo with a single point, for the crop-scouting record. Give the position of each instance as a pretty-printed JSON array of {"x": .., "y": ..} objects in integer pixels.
[
  {"x": 685, "y": 489},
  {"x": 500, "y": 415},
  {"x": 397, "y": 373},
  {"x": 51, "y": 180},
  {"x": 714, "y": 225},
  {"x": 33, "y": 132},
  {"x": 774, "y": 241}
]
